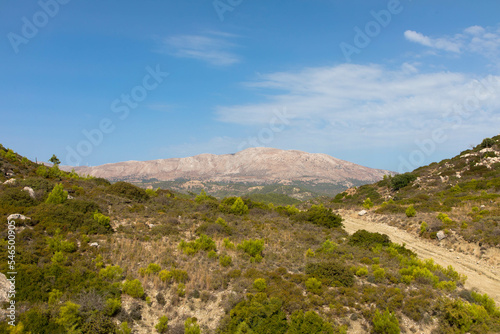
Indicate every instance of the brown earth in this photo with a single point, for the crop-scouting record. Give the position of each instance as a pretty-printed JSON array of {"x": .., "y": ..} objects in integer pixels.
[{"x": 481, "y": 275}]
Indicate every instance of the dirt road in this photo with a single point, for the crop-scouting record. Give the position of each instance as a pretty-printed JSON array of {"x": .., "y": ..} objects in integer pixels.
[{"x": 479, "y": 275}]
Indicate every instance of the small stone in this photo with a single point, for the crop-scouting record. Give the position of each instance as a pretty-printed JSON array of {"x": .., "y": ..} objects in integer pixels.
[{"x": 362, "y": 213}]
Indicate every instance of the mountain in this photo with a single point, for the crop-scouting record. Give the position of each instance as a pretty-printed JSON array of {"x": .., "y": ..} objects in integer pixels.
[{"x": 253, "y": 165}]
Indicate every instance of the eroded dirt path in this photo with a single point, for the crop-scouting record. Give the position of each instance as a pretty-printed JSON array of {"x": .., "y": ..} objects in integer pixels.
[{"x": 479, "y": 275}]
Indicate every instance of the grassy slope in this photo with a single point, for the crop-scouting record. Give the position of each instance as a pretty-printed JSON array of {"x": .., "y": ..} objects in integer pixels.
[{"x": 306, "y": 263}]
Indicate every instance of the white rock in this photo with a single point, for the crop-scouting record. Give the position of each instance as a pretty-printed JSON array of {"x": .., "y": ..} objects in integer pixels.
[
  {"x": 362, "y": 213},
  {"x": 10, "y": 181},
  {"x": 70, "y": 197},
  {"x": 94, "y": 244},
  {"x": 4, "y": 288},
  {"x": 17, "y": 216},
  {"x": 440, "y": 235},
  {"x": 30, "y": 191}
]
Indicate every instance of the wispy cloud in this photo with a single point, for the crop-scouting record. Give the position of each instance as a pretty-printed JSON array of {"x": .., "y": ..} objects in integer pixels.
[
  {"x": 367, "y": 105},
  {"x": 484, "y": 41},
  {"x": 213, "y": 48},
  {"x": 436, "y": 43}
]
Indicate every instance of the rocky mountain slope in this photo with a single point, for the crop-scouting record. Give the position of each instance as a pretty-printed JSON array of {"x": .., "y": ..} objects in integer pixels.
[{"x": 253, "y": 165}]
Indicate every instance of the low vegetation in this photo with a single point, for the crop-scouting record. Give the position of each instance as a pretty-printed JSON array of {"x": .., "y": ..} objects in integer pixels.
[{"x": 96, "y": 257}]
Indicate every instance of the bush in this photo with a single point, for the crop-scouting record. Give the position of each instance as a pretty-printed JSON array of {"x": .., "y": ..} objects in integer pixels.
[
  {"x": 102, "y": 220},
  {"x": 319, "y": 215},
  {"x": 177, "y": 275},
  {"x": 69, "y": 316},
  {"x": 464, "y": 316},
  {"x": 260, "y": 284},
  {"x": 129, "y": 191},
  {"x": 225, "y": 260},
  {"x": 362, "y": 271},
  {"x": 112, "y": 273},
  {"x": 313, "y": 285},
  {"x": 385, "y": 323},
  {"x": 191, "y": 326},
  {"x": 308, "y": 323},
  {"x": 367, "y": 204},
  {"x": 256, "y": 315},
  {"x": 58, "y": 195},
  {"x": 113, "y": 306},
  {"x": 162, "y": 325},
  {"x": 204, "y": 242},
  {"x": 402, "y": 180},
  {"x": 253, "y": 248},
  {"x": 410, "y": 211},
  {"x": 363, "y": 238},
  {"x": 423, "y": 228},
  {"x": 487, "y": 142},
  {"x": 133, "y": 288},
  {"x": 331, "y": 273}
]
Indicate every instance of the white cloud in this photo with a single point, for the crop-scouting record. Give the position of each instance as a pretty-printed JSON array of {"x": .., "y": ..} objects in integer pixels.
[
  {"x": 213, "y": 48},
  {"x": 367, "y": 106},
  {"x": 438, "y": 43},
  {"x": 474, "y": 39}
]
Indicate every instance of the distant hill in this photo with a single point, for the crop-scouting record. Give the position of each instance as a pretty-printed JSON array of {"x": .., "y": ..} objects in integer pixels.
[
  {"x": 319, "y": 173},
  {"x": 465, "y": 188}
]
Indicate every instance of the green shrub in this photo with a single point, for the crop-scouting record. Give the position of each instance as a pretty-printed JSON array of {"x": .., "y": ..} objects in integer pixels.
[
  {"x": 464, "y": 316},
  {"x": 362, "y": 271},
  {"x": 485, "y": 301},
  {"x": 58, "y": 195},
  {"x": 402, "y": 180},
  {"x": 423, "y": 228},
  {"x": 410, "y": 211},
  {"x": 162, "y": 325},
  {"x": 225, "y": 260},
  {"x": 313, "y": 285},
  {"x": 176, "y": 275},
  {"x": 124, "y": 329},
  {"x": 328, "y": 247},
  {"x": 367, "y": 204},
  {"x": 319, "y": 215},
  {"x": 363, "y": 238},
  {"x": 181, "y": 290},
  {"x": 113, "y": 306},
  {"x": 308, "y": 323},
  {"x": 128, "y": 190},
  {"x": 487, "y": 142},
  {"x": 385, "y": 323},
  {"x": 260, "y": 284},
  {"x": 102, "y": 220},
  {"x": 112, "y": 273},
  {"x": 239, "y": 207},
  {"x": 69, "y": 317},
  {"x": 228, "y": 244},
  {"x": 133, "y": 288},
  {"x": 257, "y": 314},
  {"x": 191, "y": 326},
  {"x": 331, "y": 273},
  {"x": 252, "y": 247},
  {"x": 153, "y": 268},
  {"x": 204, "y": 242}
]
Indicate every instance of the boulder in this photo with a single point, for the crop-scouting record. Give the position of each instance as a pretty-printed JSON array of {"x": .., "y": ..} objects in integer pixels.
[
  {"x": 94, "y": 244},
  {"x": 17, "y": 216},
  {"x": 362, "y": 213},
  {"x": 10, "y": 181},
  {"x": 30, "y": 191},
  {"x": 440, "y": 235}
]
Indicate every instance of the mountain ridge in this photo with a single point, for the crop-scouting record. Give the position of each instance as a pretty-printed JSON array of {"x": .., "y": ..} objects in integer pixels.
[{"x": 253, "y": 165}]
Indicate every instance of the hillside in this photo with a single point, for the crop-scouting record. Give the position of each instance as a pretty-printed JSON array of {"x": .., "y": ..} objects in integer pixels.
[
  {"x": 96, "y": 257},
  {"x": 300, "y": 174},
  {"x": 459, "y": 196}
]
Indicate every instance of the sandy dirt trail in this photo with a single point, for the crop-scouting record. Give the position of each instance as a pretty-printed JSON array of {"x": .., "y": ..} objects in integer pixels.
[{"x": 480, "y": 276}]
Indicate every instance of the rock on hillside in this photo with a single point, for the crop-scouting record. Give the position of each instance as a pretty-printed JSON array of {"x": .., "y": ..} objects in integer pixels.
[{"x": 256, "y": 165}]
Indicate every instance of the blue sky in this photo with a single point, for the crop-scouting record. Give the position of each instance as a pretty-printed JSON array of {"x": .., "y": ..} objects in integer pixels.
[{"x": 386, "y": 84}]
